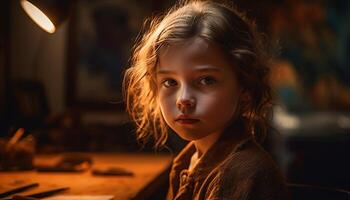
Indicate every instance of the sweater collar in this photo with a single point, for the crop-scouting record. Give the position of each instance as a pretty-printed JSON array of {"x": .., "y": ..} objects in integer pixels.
[{"x": 230, "y": 141}]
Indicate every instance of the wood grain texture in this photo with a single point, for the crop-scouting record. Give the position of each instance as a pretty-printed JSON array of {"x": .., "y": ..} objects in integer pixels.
[{"x": 149, "y": 170}]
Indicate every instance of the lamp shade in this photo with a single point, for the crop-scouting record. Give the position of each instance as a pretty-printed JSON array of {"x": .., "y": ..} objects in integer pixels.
[{"x": 48, "y": 14}]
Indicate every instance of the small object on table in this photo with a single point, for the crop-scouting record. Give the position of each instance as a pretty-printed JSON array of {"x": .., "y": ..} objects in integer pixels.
[
  {"x": 16, "y": 153},
  {"x": 68, "y": 163},
  {"x": 48, "y": 193},
  {"x": 112, "y": 171},
  {"x": 18, "y": 189},
  {"x": 20, "y": 197},
  {"x": 38, "y": 195},
  {"x": 14, "y": 139}
]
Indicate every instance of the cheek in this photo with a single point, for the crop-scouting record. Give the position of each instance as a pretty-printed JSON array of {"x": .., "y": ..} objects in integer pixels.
[
  {"x": 220, "y": 105},
  {"x": 166, "y": 103}
]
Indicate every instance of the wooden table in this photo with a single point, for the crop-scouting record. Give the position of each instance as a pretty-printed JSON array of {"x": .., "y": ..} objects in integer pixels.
[{"x": 150, "y": 170}]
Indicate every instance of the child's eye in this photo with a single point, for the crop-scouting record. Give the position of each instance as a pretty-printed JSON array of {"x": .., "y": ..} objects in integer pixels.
[
  {"x": 169, "y": 83},
  {"x": 207, "y": 80}
]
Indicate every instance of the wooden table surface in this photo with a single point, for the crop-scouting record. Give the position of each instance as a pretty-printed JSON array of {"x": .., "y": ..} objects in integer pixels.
[{"x": 150, "y": 170}]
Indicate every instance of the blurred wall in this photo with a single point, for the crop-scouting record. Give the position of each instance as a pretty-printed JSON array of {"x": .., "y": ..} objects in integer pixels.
[{"x": 37, "y": 55}]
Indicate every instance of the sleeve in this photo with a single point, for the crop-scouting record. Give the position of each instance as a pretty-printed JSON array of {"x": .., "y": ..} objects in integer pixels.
[
  {"x": 223, "y": 189},
  {"x": 264, "y": 184},
  {"x": 268, "y": 184}
]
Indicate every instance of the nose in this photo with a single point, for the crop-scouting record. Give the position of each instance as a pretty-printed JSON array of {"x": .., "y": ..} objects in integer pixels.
[{"x": 185, "y": 101}]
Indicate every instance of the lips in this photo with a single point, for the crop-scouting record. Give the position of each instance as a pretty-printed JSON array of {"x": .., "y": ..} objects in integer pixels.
[{"x": 184, "y": 119}]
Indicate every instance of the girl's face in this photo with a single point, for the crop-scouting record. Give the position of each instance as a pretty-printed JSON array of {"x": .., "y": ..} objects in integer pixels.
[{"x": 197, "y": 89}]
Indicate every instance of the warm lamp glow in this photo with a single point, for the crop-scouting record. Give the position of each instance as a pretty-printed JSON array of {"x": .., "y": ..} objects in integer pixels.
[{"x": 38, "y": 16}]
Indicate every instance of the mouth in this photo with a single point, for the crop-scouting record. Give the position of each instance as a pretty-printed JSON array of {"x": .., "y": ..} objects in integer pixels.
[{"x": 183, "y": 119}]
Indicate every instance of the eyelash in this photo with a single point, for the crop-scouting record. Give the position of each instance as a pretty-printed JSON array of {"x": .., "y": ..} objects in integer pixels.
[
  {"x": 164, "y": 83},
  {"x": 208, "y": 80}
]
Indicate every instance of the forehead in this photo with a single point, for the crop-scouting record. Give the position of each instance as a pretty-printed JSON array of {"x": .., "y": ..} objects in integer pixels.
[
  {"x": 195, "y": 51},
  {"x": 191, "y": 46}
]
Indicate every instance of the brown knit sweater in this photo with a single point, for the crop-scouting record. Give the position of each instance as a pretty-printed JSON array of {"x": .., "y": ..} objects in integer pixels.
[{"x": 228, "y": 170}]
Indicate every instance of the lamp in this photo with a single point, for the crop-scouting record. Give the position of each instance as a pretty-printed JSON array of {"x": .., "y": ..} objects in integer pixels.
[{"x": 48, "y": 14}]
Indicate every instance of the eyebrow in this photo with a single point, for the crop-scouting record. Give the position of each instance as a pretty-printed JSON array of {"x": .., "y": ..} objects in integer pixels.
[{"x": 197, "y": 69}]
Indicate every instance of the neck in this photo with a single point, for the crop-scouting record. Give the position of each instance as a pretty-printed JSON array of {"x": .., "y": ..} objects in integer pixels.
[{"x": 202, "y": 145}]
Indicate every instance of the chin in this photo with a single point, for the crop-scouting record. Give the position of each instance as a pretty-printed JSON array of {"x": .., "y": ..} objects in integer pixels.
[{"x": 188, "y": 136}]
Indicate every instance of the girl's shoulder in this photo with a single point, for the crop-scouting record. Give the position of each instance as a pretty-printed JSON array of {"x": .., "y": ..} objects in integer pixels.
[
  {"x": 248, "y": 159},
  {"x": 248, "y": 172}
]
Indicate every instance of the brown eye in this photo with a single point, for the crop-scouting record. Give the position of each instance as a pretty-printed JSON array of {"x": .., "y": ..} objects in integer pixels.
[
  {"x": 207, "y": 80},
  {"x": 169, "y": 83}
]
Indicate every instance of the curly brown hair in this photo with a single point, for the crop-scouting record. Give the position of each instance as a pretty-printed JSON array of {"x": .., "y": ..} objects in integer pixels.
[{"x": 220, "y": 23}]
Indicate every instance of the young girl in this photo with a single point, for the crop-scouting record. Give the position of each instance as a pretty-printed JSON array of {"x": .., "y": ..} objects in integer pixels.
[{"x": 201, "y": 72}]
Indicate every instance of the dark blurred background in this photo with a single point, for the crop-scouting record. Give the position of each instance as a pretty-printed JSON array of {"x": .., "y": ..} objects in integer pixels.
[{"x": 65, "y": 88}]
